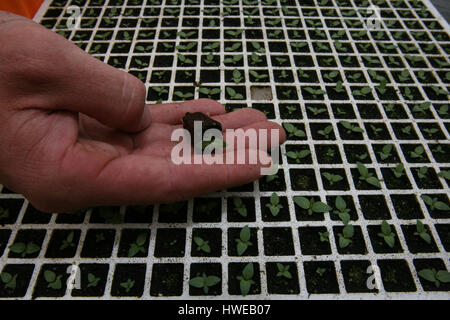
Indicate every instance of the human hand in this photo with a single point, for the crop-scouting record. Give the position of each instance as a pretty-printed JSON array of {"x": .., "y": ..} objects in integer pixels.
[{"x": 76, "y": 132}]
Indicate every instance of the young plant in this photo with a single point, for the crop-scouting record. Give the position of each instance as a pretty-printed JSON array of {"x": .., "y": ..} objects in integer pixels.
[
  {"x": 245, "y": 279},
  {"x": 350, "y": 127},
  {"x": 274, "y": 205},
  {"x": 342, "y": 210},
  {"x": 325, "y": 132},
  {"x": 387, "y": 234},
  {"x": 233, "y": 59},
  {"x": 366, "y": 176},
  {"x": 257, "y": 76},
  {"x": 184, "y": 60},
  {"x": 315, "y": 92},
  {"x": 53, "y": 280},
  {"x": 293, "y": 131},
  {"x": 68, "y": 242},
  {"x": 138, "y": 245},
  {"x": 361, "y": 92},
  {"x": 9, "y": 280},
  {"x": 324, "y": 236},
  {"x": 244, "y": 240},
  {"x": 127, "y": 285},
  {"x": 184, "y": 96},
  {"x": 4, "y": 213},
  {"x": 311, "y": 205},
  {"x": 435, "y": 276},
  {"x": 237, "y": 76},
  {"x": 24, "y": 249},
  {"x": 209, "y": 91},
  {"x": 332, "y": 178},
  {"x": 399, "y": 170},
  {"x": 434, "y": 203},
  {"x": 202, "y": 245},
  {"x": 320, "y": 271},
  {"x": 417, "y": 153},
  {"x": 298, "y": 155},
  {"x": 422, "y": 232},
  {"x": 92, "y": 280},
  {"x": 298, "y": 45},
  {"x": 422, "y": 172},
  {"x": 345, "y": 238},
  {"x": 239, "y": 206},
  {"x": 444, "y": 174},
  {"x": 233, "y": 94},
  {"x": 204, "y": 282},
  {"x": 422, "y": 108},
  {"x": 283, "y": 271}
]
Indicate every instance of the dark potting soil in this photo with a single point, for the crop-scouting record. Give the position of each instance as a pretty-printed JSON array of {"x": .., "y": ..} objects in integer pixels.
[
  {"x": 443, "y": 231},
  {"x": 396, "y": 275},
  {"x": 13, "y": 206},
  {"x": 327, "y": 153},
  {"x": 34, "y": 216},
  {"x": 170, "y": 242},
  {"x": 319, "y": 280},
  {"x": 374, "y": 207},
  {"x": 233, "y": 214},
  {"x": 430, "y": 181},
  {"x": 392, "y": 182},
  {"x": 415, "y": 243},
  {"x": 278, "y": 241},
  {"x": 274, "y": 183},
  {"x": 139, "y": 214},
  {"x": 167, "y": 279},
  {"x": 406, "y": 206},
  {"x": 207, "y": 210},
  {"x": 356, "y": 275},
  {"x": 303, "y": 179}
]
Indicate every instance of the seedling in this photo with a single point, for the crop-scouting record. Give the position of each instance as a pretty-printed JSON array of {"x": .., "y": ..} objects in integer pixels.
[
  {"x": 202, "y": 245},
  {"x": 24, "y": 249},
  {"x": 210, "y": 92},
  {"x": 406, "y": 130},
  {"x": 237, "y": 76},
  {"x": 239, "y": 206},
  {"x": 234, "y": 33},
  {"x": 361, "y": 92},
  {"x": 326, "y": 131},
  {"x": 9, "y": 280},
  {"x": 331, "y": 76},
  {"x": 274, "y": 205},
  {"x": 435, "y": 276},
  {"x": 311, "y": 205},
  {"x": 320, "y": 271},
  {"x": 345, "y": 238},
  {"x": 138, "y": 245},
  {"x": 350, "y": 127},
  {"x": 332, "y": 178},
  {"x": 209, "y": 59},
  {"x": 376, "y": 130},
  {"x": 233, "y": 94},
  {"x": 233, "y": 59},
  {"x": 417, "y": 153},
  {"x": 293, "y": 131},
  {"x": 204, "y": 282},
  {"x": 422, "y": 108},
  {"x": 255, "y": 59},
  {"x": 434, "y": 203},
  {"x": 372, "y": 61},
  {"x": 324, "y": 236},
  {"x": 257, "y": 76},
  {"x": 320, "y": 46},
  {"x": 160, "y": 90},
  {"x": 422, "y": 172},
  {"x": 245, "y": 279},
  {"x": 439, "y": 91},
  {"x": 387, "y": 234},
  {"x": 92, "y": 280},
  {"x": 315, "y": 92},
  {"x": 339, "y": 46},
  {"x": 422, "y": 232},
  {"x": 68, "y": 242},
  {"x": 399, "y": 170},
  {"x": 185, "y": 47},
  {"x": 342, "y": 210},
  {"x": 185, "y": 96},
  {"x": 127, "y": 285},
  {"x": 303, "y": 74},
  {"x": 283, "y": 271},
  {"x": 366, "y": 176},
  {"x": 354, "y": 77},
  {"x": 243, "y": 242},
  {"x": 4, "y": 213},
  {"x": 184, "y": 60},
  {"x": 53, "y": 280}
]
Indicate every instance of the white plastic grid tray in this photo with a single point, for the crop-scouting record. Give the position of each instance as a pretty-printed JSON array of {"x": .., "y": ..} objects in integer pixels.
[{"x": 293, "y": 224}]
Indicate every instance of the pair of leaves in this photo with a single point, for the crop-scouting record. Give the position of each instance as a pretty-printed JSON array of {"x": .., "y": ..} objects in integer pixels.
[
  {"x": 366, "y": 176},
  {"x": 346, "y": 235},
  {"x": 202, "y": 245},
  {"x": 244, "y": 240},
  {"x": 24, "y": 249},
  {"x": 9, "y": 280},
  {"x": 283, "y": 271},
  {"x": 138, "y": 245},
  {"x": 342, "y": 210},
  {"x": 274, "y": 205},
  {"x": 239, "y": 206},
  {"x": 204, "y": 282},
  {"x": 387, "y": 234},
  {"x": 245, "y": 280},
  {"x": 311, "y": 205},
  {"x": 293, "y": 131},
  {"x": 435, "y": 276},
  {"x": 53, "y": 280}
]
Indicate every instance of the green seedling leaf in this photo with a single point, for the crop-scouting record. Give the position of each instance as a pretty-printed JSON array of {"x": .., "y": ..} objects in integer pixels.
[
  {"x": 387, "y": 234},
  {"x": 239, "y": 206},
  {"x": 283, "y": 271}
]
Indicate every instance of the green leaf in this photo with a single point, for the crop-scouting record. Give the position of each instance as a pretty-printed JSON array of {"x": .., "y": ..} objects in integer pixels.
[
  {"x": 345, "y": 217},
  {"x": 443, "y": 276},
  {"x": 340, "y": 203},
  {"x": 428, "y": 274},
  {"x": 320, "y": 207},
  {"x": 212, "y": 281},
  {"x": 197, "y": 282},
  {"x": 245, "y": 285},
  {"x": 6, "y": 277},
  {"x": 18, "y": 247},
  {"x": 141, "y": 239},
  {"x": 373, "y": 181},
  {"x": 49, "y": 276},
  {"x": 56, "y": 284},
  {"x": 363, "y": 171},
  {"x": 348, "y": 231},
  {"x": 344, "y": 242},
  {"x": 248, "y": 271},
  {"x": 441, "y": 206},
  {"x": 302, "y": 202},
  {"x": 245, "y": 234},
  {"x": 385, "y": 228},
  {"x": 134, "y": 249}
]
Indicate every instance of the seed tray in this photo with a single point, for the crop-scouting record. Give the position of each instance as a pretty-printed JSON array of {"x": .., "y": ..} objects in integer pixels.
[{"x": 345, "y": 93}]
